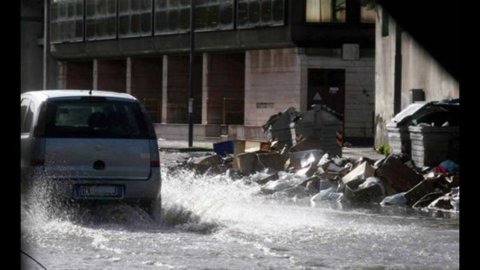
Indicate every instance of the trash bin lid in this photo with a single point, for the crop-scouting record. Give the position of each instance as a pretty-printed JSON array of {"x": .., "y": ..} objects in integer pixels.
[{"x": 403, "y": 116}]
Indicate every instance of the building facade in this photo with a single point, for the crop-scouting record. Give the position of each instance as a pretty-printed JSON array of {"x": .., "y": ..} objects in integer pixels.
[
  {"x": 32, "y": 60},
  {"x": 404, "y": 73},
  {"x": 253, "y": 59},
  {"x": 31, "y": 57}
]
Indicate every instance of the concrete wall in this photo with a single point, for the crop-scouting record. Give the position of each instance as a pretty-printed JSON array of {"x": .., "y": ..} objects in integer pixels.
[
  {"x": 278, "y": 79},
  {"x": 31, "y": 51},
  {"x": 359, "y": 90},
  {"x": 272, "y": 83},
  {"x": 268, "y": 82},
  {"x": 223, "y": 88},
  {"x": 419, "y": 71},
  {"x": 384, "y": 79},
  {"x": 109, "y": 75}
]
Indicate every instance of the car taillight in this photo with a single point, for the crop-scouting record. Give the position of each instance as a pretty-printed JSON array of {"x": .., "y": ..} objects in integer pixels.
[
  {"x": 154, "y": 155},
  {"x": 37, "y": 162}
]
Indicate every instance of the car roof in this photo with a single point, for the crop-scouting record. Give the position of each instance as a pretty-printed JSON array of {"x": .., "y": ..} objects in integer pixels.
[{"x": 67, "y": 93}]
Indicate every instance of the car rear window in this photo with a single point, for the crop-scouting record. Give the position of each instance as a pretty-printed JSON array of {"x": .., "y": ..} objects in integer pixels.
[{"x": 95, "y": 119}]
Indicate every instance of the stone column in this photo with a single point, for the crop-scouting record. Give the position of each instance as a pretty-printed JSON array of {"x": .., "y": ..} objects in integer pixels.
[
  {"x": 164, "y": 89},
  {"x": 95, "y": 74},
  {"x": 62, "y": 75},
  {"x": 128, "y": 73},
  {"x": 205, "y": 88}
]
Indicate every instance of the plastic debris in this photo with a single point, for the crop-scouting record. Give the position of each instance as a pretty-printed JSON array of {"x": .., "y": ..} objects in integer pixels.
[{"x": 396, "y": 199}]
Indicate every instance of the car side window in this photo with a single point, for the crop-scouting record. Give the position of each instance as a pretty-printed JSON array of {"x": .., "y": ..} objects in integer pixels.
[{"x": 26, "y": 113}]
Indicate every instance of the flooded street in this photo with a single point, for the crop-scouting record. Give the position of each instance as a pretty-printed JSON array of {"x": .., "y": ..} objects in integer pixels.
[{"x": 214, "y": 222}]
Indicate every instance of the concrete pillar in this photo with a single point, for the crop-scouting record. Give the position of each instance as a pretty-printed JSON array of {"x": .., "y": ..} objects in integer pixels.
[
  {"x": 95, "y": 74},
  {"x": 128, "y": 83},
  {"x": 62, "y": 75},
  {"x": 31, "y": 51},
  {"x": 204, "y": 88},
  {"x": 164, "y": 89}
]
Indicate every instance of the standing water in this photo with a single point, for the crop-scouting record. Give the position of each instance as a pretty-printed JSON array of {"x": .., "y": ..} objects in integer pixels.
[{"x": 214, "y": 222}]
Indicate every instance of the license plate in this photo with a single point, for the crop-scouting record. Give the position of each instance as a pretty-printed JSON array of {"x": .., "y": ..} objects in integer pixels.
[{"x": 99, "y": 191}]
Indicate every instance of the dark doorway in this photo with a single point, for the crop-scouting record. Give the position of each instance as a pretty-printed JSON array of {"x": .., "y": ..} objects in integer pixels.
[
  {"x": 226, "y": 88},
  {"x": 79, "y": 75},
  {"x": 327, "y": 87}
]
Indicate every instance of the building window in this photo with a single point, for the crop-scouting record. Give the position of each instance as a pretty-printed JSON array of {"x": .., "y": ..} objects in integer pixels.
[
  {"x": 101, "y": 19},
  {"x": 325, "y": 11},
  {"x": 214, "y": 15},
  {"x": 367, "y": 11},
  {"x": 173, "y": 16},
  {"x": 255, "y": 13},
  {"x": 66, "y": 21},
  {"x": 134, "y": 18}
]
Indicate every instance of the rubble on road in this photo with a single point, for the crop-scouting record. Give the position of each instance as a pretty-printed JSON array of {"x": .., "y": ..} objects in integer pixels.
[
  {"x": 305, "y": 166},
  {"x": 312, "y": 173},
  {"x": 449, "y": 202},
  {"x": 398, "y": 176}
]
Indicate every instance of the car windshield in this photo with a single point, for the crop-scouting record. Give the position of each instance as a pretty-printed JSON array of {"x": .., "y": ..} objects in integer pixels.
[{"x": 95, "y": 119}]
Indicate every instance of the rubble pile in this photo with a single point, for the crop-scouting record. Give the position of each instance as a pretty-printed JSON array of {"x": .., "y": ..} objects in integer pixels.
[
  {"x": 311, "y": 173},
  {"x": 303, "y": 159}
]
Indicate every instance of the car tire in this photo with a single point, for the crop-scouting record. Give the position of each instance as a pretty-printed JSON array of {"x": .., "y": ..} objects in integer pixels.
[{"x": 152, "y": 208}]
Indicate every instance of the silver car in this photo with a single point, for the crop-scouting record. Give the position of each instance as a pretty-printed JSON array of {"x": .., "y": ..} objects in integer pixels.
[{"x": 92, "y": 145}]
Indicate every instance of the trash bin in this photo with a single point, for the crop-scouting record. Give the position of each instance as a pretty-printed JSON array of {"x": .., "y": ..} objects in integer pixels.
[
  {"x": 223, "y": 148},
  {"x": 323, "y": 125},
  {"x": 284, "y": 134},
  {"x": 397, "y": 128},
  {"x": 431, "y": 145},
  {"x": 433, "y": 124},
  {"x": 281, "y": 127},
  {"x": 399, "y": 140}
]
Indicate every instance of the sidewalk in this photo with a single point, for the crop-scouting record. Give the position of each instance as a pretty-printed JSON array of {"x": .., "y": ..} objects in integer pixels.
[
  {"x": 167, "y": 144},
  {"x": 349, "y": 152}
]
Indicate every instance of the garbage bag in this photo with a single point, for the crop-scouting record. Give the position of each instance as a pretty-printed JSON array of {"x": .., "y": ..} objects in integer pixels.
[{"x": 395, "y": 199}]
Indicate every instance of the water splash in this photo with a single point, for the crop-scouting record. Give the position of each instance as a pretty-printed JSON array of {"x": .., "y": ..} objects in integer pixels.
[{"x": 207, "y": 215}]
